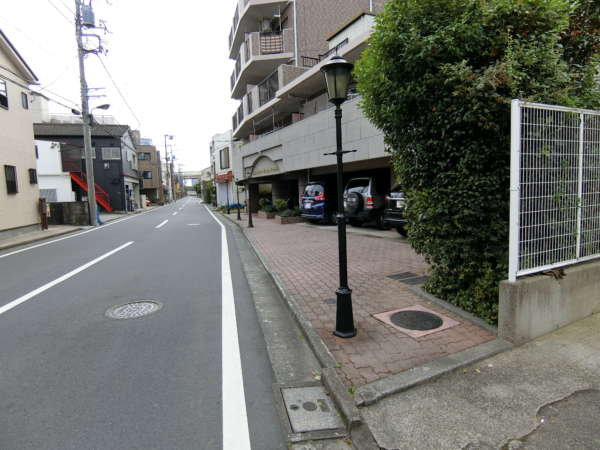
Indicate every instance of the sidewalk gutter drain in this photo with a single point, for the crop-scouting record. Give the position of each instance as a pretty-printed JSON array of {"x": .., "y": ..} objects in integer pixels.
[
  {"x": 133, "y": 310},
  {"x": 416, "y": 321},
  {"x": 310, "y": 409}
]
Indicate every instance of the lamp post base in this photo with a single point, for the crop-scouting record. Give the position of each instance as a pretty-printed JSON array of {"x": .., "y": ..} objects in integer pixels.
[{"x": 344, "y": 321}]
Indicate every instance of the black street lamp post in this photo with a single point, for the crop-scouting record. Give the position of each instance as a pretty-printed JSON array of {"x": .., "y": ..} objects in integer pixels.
[
  {"x": 237, "y": 190},
  {"x": 337, "y": 76},
  {"x": 250, "y": 224}
]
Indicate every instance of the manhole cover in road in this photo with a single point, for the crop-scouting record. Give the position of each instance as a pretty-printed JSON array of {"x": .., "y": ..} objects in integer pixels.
[
  {"x": 416, "y": 320},
  {"x": 133, "y": 310}
]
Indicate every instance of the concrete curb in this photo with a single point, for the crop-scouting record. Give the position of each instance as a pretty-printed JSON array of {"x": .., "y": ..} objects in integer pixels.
[
  {"x": 371, "y": 393},
  {"x": 37, "y": 239}
]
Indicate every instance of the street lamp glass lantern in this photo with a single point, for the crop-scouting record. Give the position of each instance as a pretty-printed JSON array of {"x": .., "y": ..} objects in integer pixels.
[{"x": 337, "y": 76}]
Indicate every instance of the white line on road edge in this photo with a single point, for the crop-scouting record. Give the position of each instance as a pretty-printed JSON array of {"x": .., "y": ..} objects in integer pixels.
[
  {"x": 161, "y": 224},
  {"x": 235, "y": 420},
  {"x": 66, "y": 276},
  {"x": 113, "y": 222}
]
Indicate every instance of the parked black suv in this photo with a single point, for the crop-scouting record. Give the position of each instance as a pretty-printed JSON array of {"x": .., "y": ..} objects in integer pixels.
[
  {"x": 393, "y": 214},
  {"x": 362, "y": 202}
]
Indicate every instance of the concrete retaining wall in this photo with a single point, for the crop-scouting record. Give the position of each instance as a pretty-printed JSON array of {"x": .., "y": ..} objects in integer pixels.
[
  {"x": 69, "y": 213},
  {"x": 534, "y": 306}
]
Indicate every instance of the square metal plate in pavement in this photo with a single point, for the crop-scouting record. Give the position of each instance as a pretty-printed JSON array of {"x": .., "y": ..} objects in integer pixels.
[{"x": 310, "y": 409}]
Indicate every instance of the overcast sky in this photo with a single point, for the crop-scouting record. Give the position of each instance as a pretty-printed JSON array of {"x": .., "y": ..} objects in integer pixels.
[{"x": 169, "y": 59}]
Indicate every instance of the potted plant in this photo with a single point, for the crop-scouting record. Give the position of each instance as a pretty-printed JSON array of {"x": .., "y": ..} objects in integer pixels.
[
  {"x": 290, "y": 216},
  {"x": 266, "y": 209}
]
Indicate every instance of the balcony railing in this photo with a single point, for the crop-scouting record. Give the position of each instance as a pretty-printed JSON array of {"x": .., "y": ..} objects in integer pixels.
[
  {"x": 234, "y": 122},
  {"x": 333, "y": 50},
  {"x": 271, "y": 42},
  {"x": 240, "y": 113},
  {"x": 249, "y": 102},
  {"x": 309, "y": 61},
  {"x": 233, "y": 79},
  {"x": 238, "y": 65},
  {"x": 267, "y": 88}
]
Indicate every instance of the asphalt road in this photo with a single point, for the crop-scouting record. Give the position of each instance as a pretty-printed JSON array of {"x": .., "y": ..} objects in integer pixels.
[{"x": 73, "y": 378}]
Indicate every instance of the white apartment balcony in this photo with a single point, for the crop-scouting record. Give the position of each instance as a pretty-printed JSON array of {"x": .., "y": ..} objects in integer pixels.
[
  {"x": 260, "y": 54},
  {"x": 249, "y": 16}
]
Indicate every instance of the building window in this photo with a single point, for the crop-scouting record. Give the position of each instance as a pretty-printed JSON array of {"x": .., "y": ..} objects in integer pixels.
[
  {"x": 224, "y": 154},
  {"x": 111, "y": 153},
  {"x": 145, "y": 156},
  {"x": 37, "y": 152},
  {"x": 32, "y": 176},
  {"x": 10, "y": 173},
  {"x": 147, "y": 174},
  {"x": 24, "y": 100},
  {"x": 106, "y": 165},
  {"x": 3, "y": 94}
]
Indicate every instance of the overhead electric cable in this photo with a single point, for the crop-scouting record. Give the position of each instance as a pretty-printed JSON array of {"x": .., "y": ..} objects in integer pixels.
[
  {"x": 119, "y": 92},
  {"x": 61, "y": 13}
]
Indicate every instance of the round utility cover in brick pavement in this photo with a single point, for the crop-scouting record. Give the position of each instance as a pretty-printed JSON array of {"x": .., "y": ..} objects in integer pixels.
[
  {"x": 416, "y": 320},
  {"x": 133, "y": 310}
]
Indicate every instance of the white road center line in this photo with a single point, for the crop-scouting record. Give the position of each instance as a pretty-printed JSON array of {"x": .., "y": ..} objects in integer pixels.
[
  {"x": 161, "y": 224},
  {"x": 175, "y": 213},
  {"x": 235, "y": 420},
  {"x": 59, "y": 280},
  {"x": 114, "y": 222}
]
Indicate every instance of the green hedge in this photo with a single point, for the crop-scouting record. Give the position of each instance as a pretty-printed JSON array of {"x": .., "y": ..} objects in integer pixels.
[{"x": 437, "y": 78}]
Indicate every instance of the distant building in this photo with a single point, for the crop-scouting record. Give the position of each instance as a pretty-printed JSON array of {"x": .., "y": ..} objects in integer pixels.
[
  {"x": 54, "y": 183},
  {"x": 114, "y": 158},
  {"x": 19, "y": 192},
  {"x": 150, "y": 169},
  {"x": 222, "y": 169}
]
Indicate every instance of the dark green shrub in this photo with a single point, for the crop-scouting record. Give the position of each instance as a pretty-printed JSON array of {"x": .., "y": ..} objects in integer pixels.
[
  {"x": 437, "y": 79},
  {"x": 280, "y": 205}
]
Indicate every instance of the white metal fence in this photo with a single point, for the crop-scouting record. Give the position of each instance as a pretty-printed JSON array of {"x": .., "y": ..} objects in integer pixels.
[{"x": 555, "y": 187}]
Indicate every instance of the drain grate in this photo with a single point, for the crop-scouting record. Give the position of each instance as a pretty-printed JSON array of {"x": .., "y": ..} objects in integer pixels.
[
  {"x": 133, "y": 310},
  {"x": 413, "y": 281},
  {"x": 310, "y": 409},
  {"x": 330, "y": 301},
  {"x": 402, "y": 275},
  {"x": 416, "y": 320}
]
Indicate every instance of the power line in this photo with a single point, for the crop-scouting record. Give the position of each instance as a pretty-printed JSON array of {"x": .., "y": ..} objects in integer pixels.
[
  {"x": 61, "y": 97},
  {"x": 68, "y": 7},
  {"x": 119, "y": 91},
  {"x": 68, "y": 68},
  {"x": 60, "y": 12}
]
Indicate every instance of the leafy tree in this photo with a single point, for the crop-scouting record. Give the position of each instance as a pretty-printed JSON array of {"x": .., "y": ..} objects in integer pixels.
[{"x": 437, "y": 79}]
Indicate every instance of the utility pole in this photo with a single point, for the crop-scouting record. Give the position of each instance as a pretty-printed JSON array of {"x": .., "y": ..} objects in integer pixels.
[
  {"x": 169, "y": 168},
  {"x": 85, "y": 115}
]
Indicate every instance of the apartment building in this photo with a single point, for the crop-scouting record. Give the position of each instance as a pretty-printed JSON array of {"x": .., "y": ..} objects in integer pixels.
[
  {"x": 19, "y": 194},
  {"x": 150, "y": 169},
  {"x": 284, "y": 124}
]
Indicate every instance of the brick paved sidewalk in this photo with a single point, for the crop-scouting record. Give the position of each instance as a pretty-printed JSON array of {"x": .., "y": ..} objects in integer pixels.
[{"x": 305, "y": 260}]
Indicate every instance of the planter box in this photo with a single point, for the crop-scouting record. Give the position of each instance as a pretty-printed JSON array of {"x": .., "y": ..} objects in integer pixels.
[
  {"x": 287, "y": 220},
  {"x": 266, "y": 215}
]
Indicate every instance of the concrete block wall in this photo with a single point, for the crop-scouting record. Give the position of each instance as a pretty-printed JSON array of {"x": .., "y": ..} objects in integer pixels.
[{"x": 536, "y": 305}]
